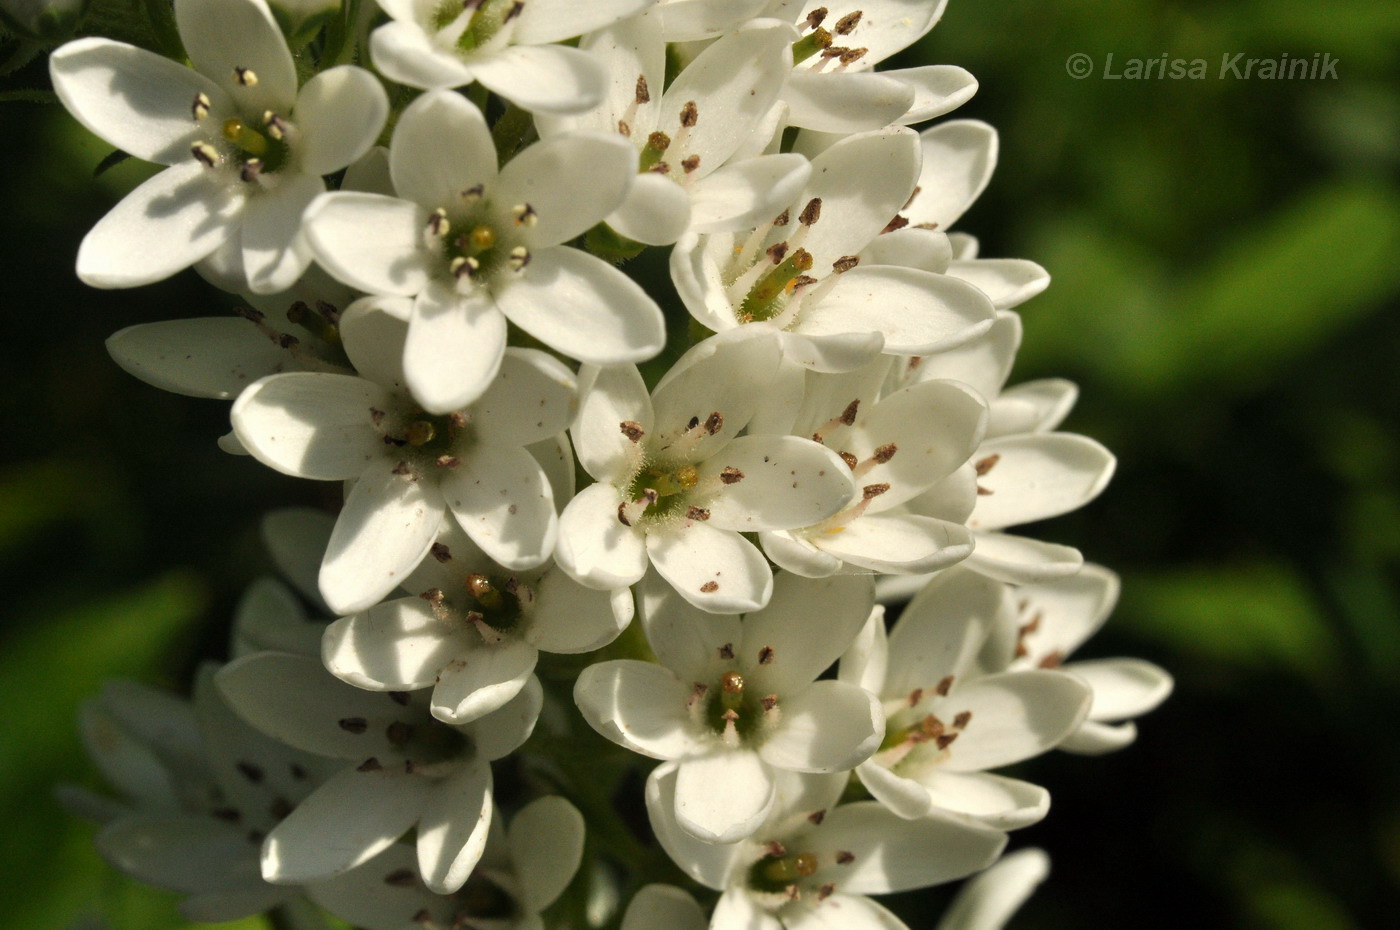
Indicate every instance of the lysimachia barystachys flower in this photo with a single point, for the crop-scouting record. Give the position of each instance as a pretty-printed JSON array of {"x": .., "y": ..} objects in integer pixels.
[
  {"x": 475, "y": 247},
  {"x": 735, "y": 699},
  {"x": 663, "y": 906},
  {"x": 471, "y": 630},
  {"x": 410, "y": 466},
  {"x": 896, "y": 446},
  {"x": 948, "y": 721},
  {"x": 245, "y": 148},
  {"x": 677, "y": 484},
  {"x": 811, "y": 863},
  {"x": 1056, "y": 618},
  {"x": 272, "y": 614},
  {"x": 402, "y": 769},
  {"x": 988, "y": 900},
  {"x": 802, "y": 275},
  {"x": 687, "y": 138},
  {"x": 522, "y": 871},
  {"x": 503, "y": 44}
]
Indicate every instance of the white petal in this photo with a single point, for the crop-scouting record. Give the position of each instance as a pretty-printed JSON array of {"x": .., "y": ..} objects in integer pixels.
[
  {"x": 796, "y": 554},
  {"x": 1038, "y": 476},
  {"x": 716, "y": 570},
  {"x": 1095, "y": 739},
  {"x": 482, "y": 680},
  {"x": 831, "y": 352},
  {"x": 688, "y": 20},
  {"x": 441, "y": 148},
  {"x": 548, "y": 177},
  {"x": 348, "y": 820},
  {"x": 454, "y": 348},
  {"x": 639, "y": 705},
  {"x": 902, "y": 543},
  {"x": 892, "y": 854},
  {"x": 846, "y": 102},
  {"x": 1032, "y": 407},
  {"x": 179, "y": 852},
  {"x": 221, "y": 35},
  {"x": 269, "y": 616},
  {"x": 167, "y": 224},
  {"x": 984, "y": 362},
  {"x": 310, "y": 424},
  {"x": 370, "y": 173},
  {"x": 942, "y": 629},
  {"x": 918, "y": 312},
  {"x": 890, "y": 26},
  {"x": 395, "y": 646},
  {"x": 737, "y": 910},
  {"x": 1122, "y": 688},
  {"x": 235, "y": 903},
  {"x": 1004, "y": 803},
  {"x": 503, "y": 731},
  {"x": 386, "y": 527},
  {"x": 135, "y": 99},
  {"x": 911, "y": 247},
  {"x": 629, "y": 50},
  {"x": 296, "y": 539},
  {"x": 842, "y": 912},
  {"x": 657, "y": 210},
  {"x": 988, "y": 901},
  {"x": 1015, "y": 715},
  {"x": 787, "y": 482},
  {"x": 546, "y": 842},
  {"x": 404, "y": 54},
  {"x": 902, "y": 796},
  {"x": 373, "y": 331},
  {"x": 1069, "y": 610},
  {"x": 707, "y": 863},
  {"x": 275, "y": 253},
  {"x": 545, "y": 21},
  {"x": 803, "y": 630},
  {"x": 727, "y": 375},
  {"x": 959, "y": 157},
  {"x": 594, "y": 546},
  {"x": 831, "y": 726},
  {"x": 501, "y": 497},
  {"x": 686, "y": 639},
  {"x": 934, "y": 427},
  {"x": 452, "y": 832},
  {"x": 863, "y": 181},
  {"x": 579, "y": 619},
  {"x": 608, "y": 398},
  {"x": 723, "y": 797},
  {"x": 543, "y": 78},
  {"x": 204, "y": 357},
  {"x": 1021, "y": 560},
  {"x": 1009, "y": 282},
  {"x": 584, "y": 307},
  {"x": 743, "y": 194},
  {"x": 938, "y": 89},
  {"x": 339, "y": 113},
  {"x": 531, "y": 399},
  {"x": 392, "y": 261},
  {"x": 866, "y": 661},
  {"x": 663, "y": 906}
]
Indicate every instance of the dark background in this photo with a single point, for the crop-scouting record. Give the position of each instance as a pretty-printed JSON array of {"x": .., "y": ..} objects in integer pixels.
[{"x": 1225, "y": 268}]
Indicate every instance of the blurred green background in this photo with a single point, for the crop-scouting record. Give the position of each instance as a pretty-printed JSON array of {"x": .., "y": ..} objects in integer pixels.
[{"x": 1226, "y": 262}]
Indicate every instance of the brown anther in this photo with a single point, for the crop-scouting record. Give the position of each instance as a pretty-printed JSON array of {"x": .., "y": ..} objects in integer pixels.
[
  {"x": 816, "y": 17},
  {"x": 826, "y": 891},
  {"x": 525, "y": 215},
  {"x": 632, "y": 430},
  {"x": 850, "y": 460},
  {"x": 845, "y": 858},
  {"x": 622, "y": 514},
  {"x": 399, "y": 697},
  {"x": 816, "y": 817},
  {"x": 726, "y": 651},
  {"x": 694, "y": 422},
  {"x": 803, "y": 280},
  {"x": 402, "y": 468},
  {"x": 714, "y": 423},
  {"x": 777, "y": 251},
  {"x": 423, "y": 916},
  {"x": 279, "y": 808},
  {"x": 250, "y": 771},
  {"x": 690, "y": 163},
  {"x": 782, "y": 219},
  {"x": 946, "y": 740},
  {"x": 356, "y": 725},
  {"x": 400, "y": 878},
  {"x": 690, "y": 114},
  {"x": 515, "y": 10},
  {"x": 623, "y": 128},
  {"x": 369, "y": 765},
  {"x": 205, "y": 154},
  {"x": 730, "y": 475},
  {"x": 873, "y": 490},
  {"x": 930, "y": 728},
  {"x": 438, "y": 224},
  {"x": 643, "y": 93},
  {"x": 962, "y": 719},
  {"x": 227, "y": 813},
  {"x": 256, "y": 837},
  {"x": 375, "y": 416},
  {"x": 709, "y": 587},
  {"x": 918, "y": 189},
  {"x": 200, "y": 108},
  {"x": 1052, "y": 660},
  {"x": 845, "y": 263},
  {"x": 769, "y": 701},
  {"x": 897, "y": 223},
  {"x": 441, "y": 552},
  {"x": 658, "y": 142},
  {"x": 697, "y": 513},
  {"x": 249, "y": 314},
  {"x": 732, "y": 682},
  {"x": 944, "y": 685},
  {"x": 765, "y": 655},
  {"x": 472, "y": 194},
  {"x": 399, "y": 733},
  {"x": 987, "y": 464},
  {"x": 251, "y": 170},
  {"x": 884, "y": 453},
  {"x": 852, "y": 55},
  {"x": 661, "y": 167},
  {"x": 288, "y": 341},
  {"x": 847, "y": 24},
  {"x": 776, "y": 850},
  {"x": 811, "y": 213},
  {"x": 731, "y": 715},
  {"x": 246, "y": 77}
]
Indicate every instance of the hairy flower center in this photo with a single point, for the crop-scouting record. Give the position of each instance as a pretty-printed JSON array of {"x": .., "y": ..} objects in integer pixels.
[{"x": 732, "y": 705}]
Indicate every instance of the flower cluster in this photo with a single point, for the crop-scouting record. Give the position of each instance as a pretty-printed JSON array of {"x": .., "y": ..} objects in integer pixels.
[{"x": 434, "y": 266}]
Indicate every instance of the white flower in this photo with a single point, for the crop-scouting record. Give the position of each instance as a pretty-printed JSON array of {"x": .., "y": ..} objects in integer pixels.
[
  {"x": 407, "y": 770},
  {"x": 503, "y": 44},
  {"x": 246, "y": 150},
  {"x": 988, "y": 900},
  {"x": 896, "y": 447},
  {"x": 410, "y": 466},
  {"x": 663, "y": 906},
  {"x": 522, "y": 871},
  {"x": 735, "y": 699},
  {"x": 690, "y": 140},
  {"x": 472, "y": 631},
  {"x": 475, "y": 248},
  {"x": 948, "y": 722},
  {"x": 270, "y": 616},
  {"x": 688, "y": 20},
  {"x": 810, "y": 865},
  {"x": 814, "y": 275},
  {"x": 677, "y": 484},
  {"x": 1054, "y": 619}
]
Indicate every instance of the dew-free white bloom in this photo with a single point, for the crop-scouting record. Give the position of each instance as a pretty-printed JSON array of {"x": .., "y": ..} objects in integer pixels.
[
  {"x": 476, "y": 248},
  {"x": 472, "y": 631},
  {"x": 405, "y": 769},
  {"x": 246, "y": 148},
  {"x": 735, "y": 699},
  {"x": 663, "y": 906},
  {"x": 409, "y": 466},
  {"x": 677, "y": 484},
  {"x": 988, "y": 900}
]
